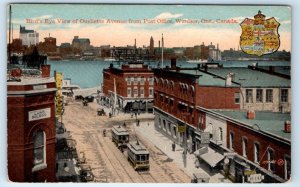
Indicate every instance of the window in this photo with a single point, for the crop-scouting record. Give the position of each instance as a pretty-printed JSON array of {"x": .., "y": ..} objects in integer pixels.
[
  {"x": 231, "y": 136},
  {"x": 150, "y": 79},
  {"x": 237, "y": 98},
  {"x": 128, "y": 92},
  {"x": 128, "y": 81},
  {"x": 256, "y": 153},
  {"x": 175, "y": 132},
  {"x": 135, "y": 80},
  {"x": 164, "y": 124},
  {"x": 220, "y": 134},
  {"x": 150, "y": 91},
  {"x": 142, "y": 92},
  {"x": 269, "y": 96},
  {"x": 135, "y": 91},
  {"x": 142, "y": 80},
  {"x": 284, "y": 95},
  {"x": 271, "y": 158},
  {"x": 287, "y": 167},
  {"x": 159, "y": 122},
  {"x": 39, "y": 150},
  {"x": 169, "y": 127},
  {"x": 259, "y": 95},
  {"x": 249, "y": 96},
  {"x": 245, "y": 146}
]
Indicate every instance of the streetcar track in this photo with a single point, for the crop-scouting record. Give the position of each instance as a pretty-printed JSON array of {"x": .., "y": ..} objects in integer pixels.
[{"x": 89, "y": 136}]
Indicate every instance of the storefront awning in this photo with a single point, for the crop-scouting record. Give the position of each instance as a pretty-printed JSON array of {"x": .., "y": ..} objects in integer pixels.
[{"x": 212, "y": 157}]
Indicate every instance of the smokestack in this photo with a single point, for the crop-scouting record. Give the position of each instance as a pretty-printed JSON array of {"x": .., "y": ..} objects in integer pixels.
[
  {"x": 159, "y": 44},
  {"x": 135, "y": 42},
  {"x": 250, "y": 114},
  {"x": 287, "y": 127},
  {"x": 173, "y": 63},
  {"x": 45, "y": 70}
]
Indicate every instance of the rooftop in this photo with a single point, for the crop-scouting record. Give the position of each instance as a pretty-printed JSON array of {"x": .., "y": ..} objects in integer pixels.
[
  {"x": 252, "y": 78},
  {"x": 271, "y": 122},
  {"x": 206, "y": 79}
]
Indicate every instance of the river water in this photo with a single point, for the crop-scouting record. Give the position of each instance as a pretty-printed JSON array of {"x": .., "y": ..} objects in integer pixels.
[{"x": 88, "y": 74}]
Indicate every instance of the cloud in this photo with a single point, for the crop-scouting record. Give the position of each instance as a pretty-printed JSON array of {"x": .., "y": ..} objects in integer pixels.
[
  {"x": 168, "y": 15},
  {"x": 122, "y": 35},
  {"x": 43, "y": 17},
  {"x": 285, "y": 22}
]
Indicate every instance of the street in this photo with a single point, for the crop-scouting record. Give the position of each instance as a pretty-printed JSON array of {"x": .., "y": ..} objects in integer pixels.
[{"x": 108, "y": 163}]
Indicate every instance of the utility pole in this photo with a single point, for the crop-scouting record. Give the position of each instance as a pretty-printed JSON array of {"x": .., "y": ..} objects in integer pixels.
[
  {"x": 185, "y": 146},
  {"x": 185, "y": 140}
]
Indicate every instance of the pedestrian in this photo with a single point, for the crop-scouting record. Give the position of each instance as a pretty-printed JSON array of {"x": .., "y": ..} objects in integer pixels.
[
  {"x": 173, "y": 146},
  {"x": 148, "y": 123},
  {"x": 124, "y": 124},
  {"x": 138, "y": 122}
]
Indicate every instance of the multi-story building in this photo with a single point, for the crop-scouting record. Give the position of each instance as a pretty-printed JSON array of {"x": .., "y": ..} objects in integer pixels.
[
  {"x": 178, "y": 92},
  {"x": 28, "y": 37},
  {"x": 246, "y": 134},
  {"x": 81, "y": 43},
  {"x": 260, "y": 91},
  {"x": 131, "y": 85},
  {"x": 31, "y": 126},
  {"x": 213, "y": 52},
  {"x": 252, "y": 142}
]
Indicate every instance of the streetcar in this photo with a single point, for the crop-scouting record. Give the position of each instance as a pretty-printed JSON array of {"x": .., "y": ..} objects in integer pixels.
[
  {"x": 138, "y": 156},
  {"x": 120, "y": 136}
]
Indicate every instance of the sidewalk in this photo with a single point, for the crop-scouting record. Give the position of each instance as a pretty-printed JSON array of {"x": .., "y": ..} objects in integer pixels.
[
  {"x": 120, "y": 115},
  {"x": 164, "y": 144}
]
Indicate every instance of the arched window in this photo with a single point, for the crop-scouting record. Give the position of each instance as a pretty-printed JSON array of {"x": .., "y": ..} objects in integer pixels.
[
  {"x": 39, "y": 147},
  {"x": 271, "y": 158},
  {"x": 220, "y": 134},
  {"x": 231, "y": 137},
  {"x": 245, "y": 146},
  {"x": 256, "y": 153}
]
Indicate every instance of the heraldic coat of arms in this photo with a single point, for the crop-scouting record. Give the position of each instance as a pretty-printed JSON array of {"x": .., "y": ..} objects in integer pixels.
[{"x": 259, "y": 36}]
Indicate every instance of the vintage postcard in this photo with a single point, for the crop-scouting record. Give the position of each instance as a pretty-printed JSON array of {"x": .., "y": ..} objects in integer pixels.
[{"x": 111, "y": 93}]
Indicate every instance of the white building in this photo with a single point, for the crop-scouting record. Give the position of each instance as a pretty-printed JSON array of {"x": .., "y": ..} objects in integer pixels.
[{"x": 28, "y": 37}]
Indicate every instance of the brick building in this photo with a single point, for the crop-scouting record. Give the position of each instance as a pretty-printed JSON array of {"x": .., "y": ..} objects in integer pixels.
[
  {"x": 134, "y": 87},
  {"x": 260, "y": 91},
  {"x": 81, "y": 43},
  {"x": 252, "y": 141},
  {"x": 31, "y": 126},
  {"x": 177, "y": 94}
]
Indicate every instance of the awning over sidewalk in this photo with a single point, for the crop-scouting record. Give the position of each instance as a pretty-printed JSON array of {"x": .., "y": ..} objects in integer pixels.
[{"x": 212, "y": 157}]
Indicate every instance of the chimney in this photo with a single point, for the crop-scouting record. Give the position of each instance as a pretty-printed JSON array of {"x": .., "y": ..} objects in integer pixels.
[
  {"x": 287, "y": 127},
  {"x": 228, "y": 80},
  {"x": 250, "y": 114},
  {"x": 173, "y": 63},
  {"x": 45, "y": 71}
]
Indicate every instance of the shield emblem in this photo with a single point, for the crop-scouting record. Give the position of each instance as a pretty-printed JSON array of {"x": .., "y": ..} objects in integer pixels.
[{"x": 259, "y": 35}]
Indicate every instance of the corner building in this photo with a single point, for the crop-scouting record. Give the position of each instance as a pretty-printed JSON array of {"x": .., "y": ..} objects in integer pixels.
[
  {"x": 134, "y": 87},
  {"x": 31, "y": 128},
  {"x": 178, "y": 93}
]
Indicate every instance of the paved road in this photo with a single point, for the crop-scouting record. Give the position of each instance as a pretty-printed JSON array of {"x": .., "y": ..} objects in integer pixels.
[{"x": 107, "y": 162}]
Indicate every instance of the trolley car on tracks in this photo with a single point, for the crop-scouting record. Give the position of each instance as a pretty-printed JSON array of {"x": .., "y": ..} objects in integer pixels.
[
  {"x": 120, "y": 136},
  {"x": 138, "y": 156}
]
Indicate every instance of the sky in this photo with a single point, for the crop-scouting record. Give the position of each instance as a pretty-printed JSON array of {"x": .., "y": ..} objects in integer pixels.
[{"x": 131, "y": 23}]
